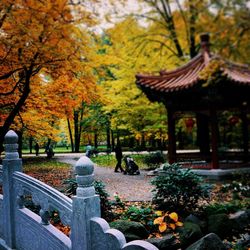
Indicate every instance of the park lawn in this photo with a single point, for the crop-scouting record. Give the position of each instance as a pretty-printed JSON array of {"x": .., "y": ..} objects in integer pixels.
[{"x": 109, "y": 160}]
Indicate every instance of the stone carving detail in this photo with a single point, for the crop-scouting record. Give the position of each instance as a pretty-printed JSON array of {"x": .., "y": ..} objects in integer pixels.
[
  {"x": 1, "y": 174},
  {"x": 1, "y": 214},
  {"x": 84, "y": 169},
  {"x": 45, "y": 217},
  {"x": 20, "y": 201},
  {"x": 112, "y": 238},
  {"x": 45, "y": 196}
]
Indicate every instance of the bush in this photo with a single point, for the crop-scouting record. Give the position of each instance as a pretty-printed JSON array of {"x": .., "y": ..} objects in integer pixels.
[
  {"x": 144, "y": 215},
  {"x": 220, "y": 208},
  {"x": 237, "y": 189},
  {"x": 178, "y": 189},
  {"x": 153, "y": 160}
]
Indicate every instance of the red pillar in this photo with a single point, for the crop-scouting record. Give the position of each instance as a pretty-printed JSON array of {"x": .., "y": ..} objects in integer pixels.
[
  {"x": 171, "y": 137},
  {"x": 245, "y": 134},
  {"x": 215, "y": 135}
]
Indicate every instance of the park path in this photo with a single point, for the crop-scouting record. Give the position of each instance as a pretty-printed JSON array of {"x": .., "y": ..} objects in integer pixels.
[{"x": 128, "y": 187}]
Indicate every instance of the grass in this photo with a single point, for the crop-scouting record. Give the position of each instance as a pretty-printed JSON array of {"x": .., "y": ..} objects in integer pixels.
[
  {"x": 110, "y": 160},
  {"x": 37, "y": 164},
  {"x": 106, "y": 160},
  {"x": 63, "y": 149}
]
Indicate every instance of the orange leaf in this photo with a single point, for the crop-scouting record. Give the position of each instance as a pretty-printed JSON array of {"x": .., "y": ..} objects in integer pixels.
[
  {"x": 158, "y": 220},
  {"x": 163, "y": 227},
  {"x": 179, "y": 224},
  {"x": 174, "y": 216},
  {"x": 171, "y": 225}
]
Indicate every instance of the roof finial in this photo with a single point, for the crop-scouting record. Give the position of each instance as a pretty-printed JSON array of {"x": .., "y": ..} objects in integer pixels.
[
  {"x": 205, "y": 47},
  {"x": 204, "y": 37}
]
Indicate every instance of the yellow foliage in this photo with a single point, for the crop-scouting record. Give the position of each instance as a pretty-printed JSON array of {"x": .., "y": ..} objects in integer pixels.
[
  {"x": 47, "y": 58},
  {"x": 128, "y": 106},
  {"x": 173, "y": 216},
  {"x": 167, "y": 221}
]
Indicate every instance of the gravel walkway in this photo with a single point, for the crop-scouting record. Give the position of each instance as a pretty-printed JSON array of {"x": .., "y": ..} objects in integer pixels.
[{"x": 129, "y": 187}]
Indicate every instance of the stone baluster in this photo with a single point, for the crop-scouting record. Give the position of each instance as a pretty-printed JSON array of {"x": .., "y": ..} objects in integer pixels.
[
  {"x": 86, "y": 205},
  {"x": 11, "y": 163},
  {"x": 45, "y": 216}
]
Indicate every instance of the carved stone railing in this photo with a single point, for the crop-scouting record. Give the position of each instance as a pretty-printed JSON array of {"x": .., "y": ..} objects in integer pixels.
[
  {"x": 20, "y": 228},
  {"x": 1, "y": 174},
  {"x": 1, "y": 202},
  {"x": 43, "y": 195}
]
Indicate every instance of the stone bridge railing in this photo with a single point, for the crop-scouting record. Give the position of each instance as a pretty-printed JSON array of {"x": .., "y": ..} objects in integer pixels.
[{"x": 20, "y": 228}]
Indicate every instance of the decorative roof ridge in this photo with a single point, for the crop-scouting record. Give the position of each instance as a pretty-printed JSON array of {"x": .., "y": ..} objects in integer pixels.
[
  {"x": 166, "y": 74},
  {"x": 237, "y": 65},
  {"x": 229, "y": 63},
  {"x": 195, "y": 60},
  {"x": 207, "y": 56}
]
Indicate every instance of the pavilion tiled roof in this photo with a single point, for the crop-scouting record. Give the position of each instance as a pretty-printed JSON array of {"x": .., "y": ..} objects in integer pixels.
[{"x": 189, "y": 74}]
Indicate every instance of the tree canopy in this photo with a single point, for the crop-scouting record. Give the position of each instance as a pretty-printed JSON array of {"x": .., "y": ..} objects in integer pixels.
[{"x": 46, "y": 62}]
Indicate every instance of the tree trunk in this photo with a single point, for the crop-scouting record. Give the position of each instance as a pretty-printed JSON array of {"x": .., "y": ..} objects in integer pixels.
[
  {"x": 71, "y": 137},
  {"x": 112, "y": 140},
  {"x": 20, "y": 142},
  {"x": 192, "y": 30},
  {"x": 143, "y": 143},
  {"x": 77, "y": 143},
  {"x": 96, "y": 139},
  {"x": 9, "y": 120},
  {"x": 30, "y": 144},
  {"x": 108, "y": 138}
]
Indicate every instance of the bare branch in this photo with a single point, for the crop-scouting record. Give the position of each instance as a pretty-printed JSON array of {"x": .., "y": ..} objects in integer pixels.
[
  {"x": 13, "y": 89},
  {"x": 7, "y": 75}
]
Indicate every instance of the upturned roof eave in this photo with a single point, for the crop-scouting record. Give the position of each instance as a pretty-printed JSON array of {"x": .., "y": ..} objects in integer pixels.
[{"x": 235, "y": 73}]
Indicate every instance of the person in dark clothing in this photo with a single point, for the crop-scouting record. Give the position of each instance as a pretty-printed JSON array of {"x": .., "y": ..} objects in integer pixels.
[
  {"x": 37, "y": 148},
  {"x": 49, "y": 151},
  {"x": 118, "y": 156}
]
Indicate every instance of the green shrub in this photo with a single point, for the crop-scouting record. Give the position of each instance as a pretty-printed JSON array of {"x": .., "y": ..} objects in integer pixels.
[
  {"x": 153, "y": 160},
  {"x": 178, "y": 189},
  {"x": 237, "y": 189},
  {"x": 222, "y": 208},
  {"x": 118, "y": 202},
  {"x": 144, "y": 215}
]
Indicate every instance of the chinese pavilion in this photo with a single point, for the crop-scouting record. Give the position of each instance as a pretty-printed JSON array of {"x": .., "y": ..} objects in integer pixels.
[{"x": 206, "y": 85}]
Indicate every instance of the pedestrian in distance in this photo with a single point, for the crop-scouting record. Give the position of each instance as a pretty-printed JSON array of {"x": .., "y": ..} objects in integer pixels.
[
  {"x": 88, "y": 151},
  {"x": 49, "y": 151},
  {"x": 37, "y": 148},
  {"x": 118, "y": 156}
]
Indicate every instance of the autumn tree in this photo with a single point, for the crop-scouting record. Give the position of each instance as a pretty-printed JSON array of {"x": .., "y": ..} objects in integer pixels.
[
  {"x": 44, "y": 57},
  {"x": 181, "y": 22},
  {"x": 126, "y": 105}
]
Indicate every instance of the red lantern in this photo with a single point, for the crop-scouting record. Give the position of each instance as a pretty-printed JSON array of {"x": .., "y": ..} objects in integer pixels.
[{"x": 189, "y": 124}]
